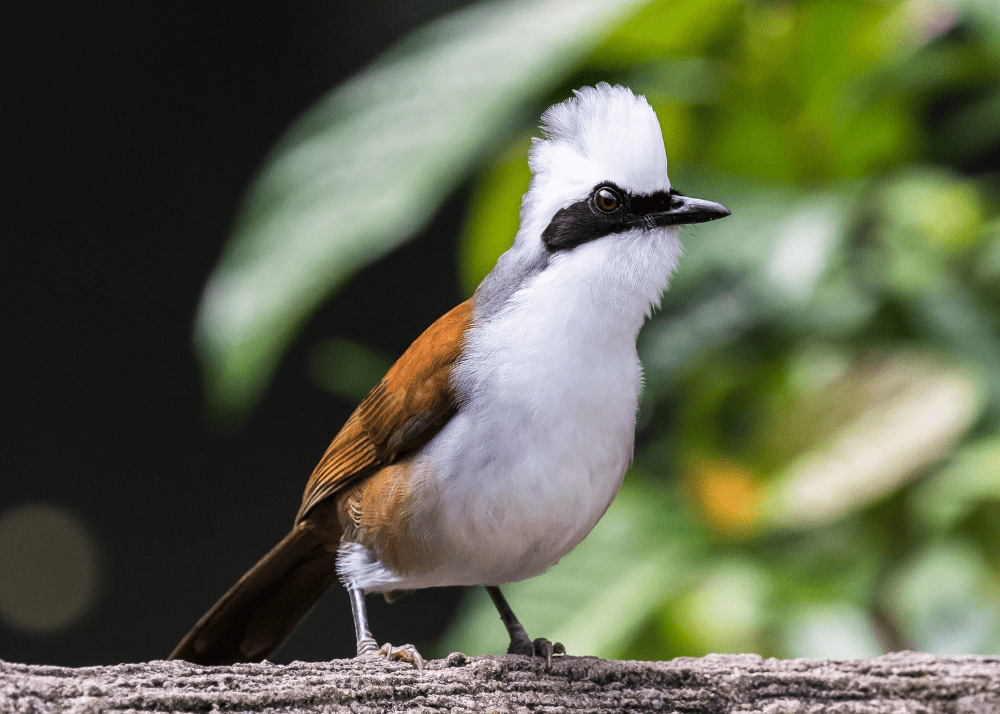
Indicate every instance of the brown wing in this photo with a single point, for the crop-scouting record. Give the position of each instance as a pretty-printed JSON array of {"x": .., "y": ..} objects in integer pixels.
[{"x": 408, "y": 407}]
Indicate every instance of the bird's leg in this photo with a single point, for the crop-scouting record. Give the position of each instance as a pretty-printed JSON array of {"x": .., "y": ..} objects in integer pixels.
[
  {"x": 366, "y": 643},
  {"x": 519, "y": 641},
  {"x": 367, "y": 646}
]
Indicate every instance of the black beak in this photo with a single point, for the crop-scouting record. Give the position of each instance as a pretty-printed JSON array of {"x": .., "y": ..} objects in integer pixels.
[{"x": 684, "y": 210}]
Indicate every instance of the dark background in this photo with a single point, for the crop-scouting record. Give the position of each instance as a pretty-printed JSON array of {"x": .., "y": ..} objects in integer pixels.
[{"x": 131, "y": 131}]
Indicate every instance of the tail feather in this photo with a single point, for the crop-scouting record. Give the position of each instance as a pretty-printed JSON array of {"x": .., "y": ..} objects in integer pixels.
[{"x": 261, "y": 610}]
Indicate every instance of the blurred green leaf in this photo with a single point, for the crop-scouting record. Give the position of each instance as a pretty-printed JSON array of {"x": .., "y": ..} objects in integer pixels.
[
  {"x": 974, "y": 127},
  {"x": 666, "y": 28},
  {"x": 725, "y": 610},
  {"x": 983, "y": 15},
  {"x": 970, "y": 478},
  {"x": 493, "y": 215},
  {"x": 807, "y": 101},
  {"x": 929, "y": 208},
  {"x": 960, "y": 324},
  {"x": 987, "y": 268},
  {"x": 878, "y": 425},
  {"x": 944, "y": 598},
  {"x": 831, "y": 631},
  {"x": 366, "y": 168},
  {"x": 346, "y": 368}
]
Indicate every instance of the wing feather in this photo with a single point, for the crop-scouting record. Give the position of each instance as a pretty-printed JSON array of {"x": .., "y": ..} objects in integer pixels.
[{"x": 404, "y": 411}]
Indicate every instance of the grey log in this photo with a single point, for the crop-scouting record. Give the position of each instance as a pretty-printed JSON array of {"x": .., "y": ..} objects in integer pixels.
[{"x": 901, "y": 682}]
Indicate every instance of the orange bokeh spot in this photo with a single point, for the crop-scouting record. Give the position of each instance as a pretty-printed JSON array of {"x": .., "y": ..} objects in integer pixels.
[{"x": 727, "y": 493}]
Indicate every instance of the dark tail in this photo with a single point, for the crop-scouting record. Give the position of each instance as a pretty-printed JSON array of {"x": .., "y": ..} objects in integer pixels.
[{"x": 260, "y": 611}]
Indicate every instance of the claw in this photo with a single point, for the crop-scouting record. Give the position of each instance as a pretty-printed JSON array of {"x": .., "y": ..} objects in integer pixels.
[
  {"x": 544, "y": 648},
  {"x": 403, "y": 653}
]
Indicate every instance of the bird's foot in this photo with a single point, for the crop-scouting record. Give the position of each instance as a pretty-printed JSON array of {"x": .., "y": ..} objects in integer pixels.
[
  {"x": 539, "y": 648},
  {"x": 403, "y": 653}
]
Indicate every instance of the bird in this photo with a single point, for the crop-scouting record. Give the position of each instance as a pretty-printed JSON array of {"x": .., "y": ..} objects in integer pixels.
[{"x": 500, "y": 437}]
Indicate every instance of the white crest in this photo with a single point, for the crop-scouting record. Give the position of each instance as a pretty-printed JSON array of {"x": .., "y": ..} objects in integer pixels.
[{"x": 603, "y": 133}]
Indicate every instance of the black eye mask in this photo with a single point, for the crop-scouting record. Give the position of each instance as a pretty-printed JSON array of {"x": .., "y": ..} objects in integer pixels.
[{"x": 608, "y": 209}]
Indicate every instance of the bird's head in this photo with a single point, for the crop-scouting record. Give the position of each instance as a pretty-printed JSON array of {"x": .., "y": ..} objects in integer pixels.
[
  {"x": 602, "y": 169},
  {"x": 599, "y": 171}
]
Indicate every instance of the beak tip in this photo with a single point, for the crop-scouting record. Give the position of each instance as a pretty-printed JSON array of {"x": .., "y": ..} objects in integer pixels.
[
  {"x": 708, "y": 210},
  {"x": 714, "y": 211}
]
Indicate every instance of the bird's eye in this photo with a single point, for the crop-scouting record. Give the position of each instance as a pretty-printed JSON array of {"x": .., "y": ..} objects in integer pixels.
[{"x": 607, "y": 200}]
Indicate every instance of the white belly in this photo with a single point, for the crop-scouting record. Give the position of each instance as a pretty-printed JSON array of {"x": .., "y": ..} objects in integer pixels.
[{"x": 517, "y": 489}]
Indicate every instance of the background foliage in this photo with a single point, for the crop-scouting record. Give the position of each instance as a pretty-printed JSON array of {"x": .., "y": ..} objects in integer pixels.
[{"x": 817, "y": 470}]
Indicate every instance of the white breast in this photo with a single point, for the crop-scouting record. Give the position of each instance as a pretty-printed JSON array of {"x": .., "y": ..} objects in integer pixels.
[{"x": 539, "y": 447}]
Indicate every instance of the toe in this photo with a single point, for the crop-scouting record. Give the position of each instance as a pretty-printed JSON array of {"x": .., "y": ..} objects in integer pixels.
[
  {"x": 542, "y": 647},
  {"x": 539, "y": 648},
  {"x": 404, "y": 653}
]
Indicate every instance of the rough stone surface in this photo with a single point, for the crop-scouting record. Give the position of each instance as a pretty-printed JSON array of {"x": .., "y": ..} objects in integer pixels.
[{"x": 901, "y": 682}]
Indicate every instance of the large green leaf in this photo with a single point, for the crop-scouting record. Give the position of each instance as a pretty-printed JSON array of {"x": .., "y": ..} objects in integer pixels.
[
  {"x": 870, "y": 431},
  {"x": 366, "y": 168}
]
